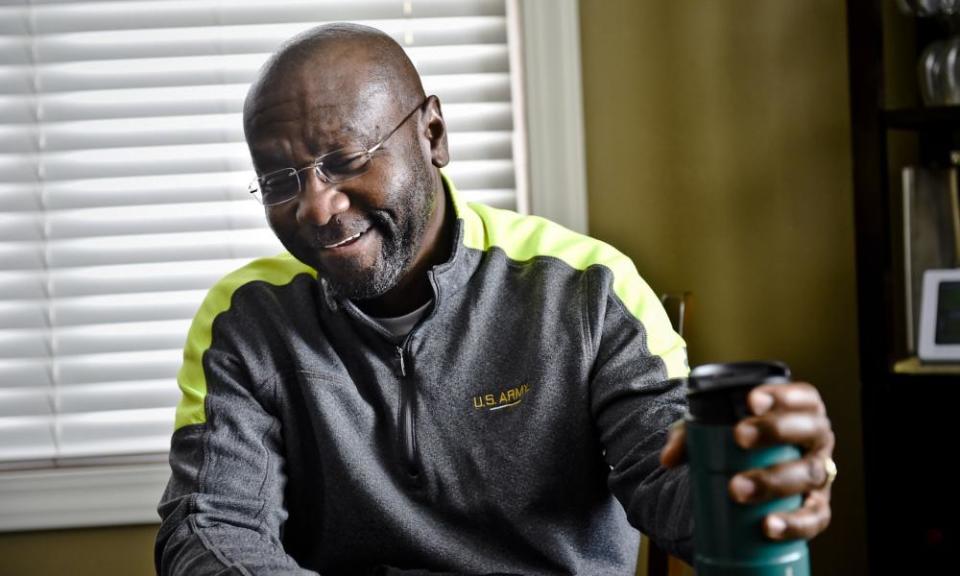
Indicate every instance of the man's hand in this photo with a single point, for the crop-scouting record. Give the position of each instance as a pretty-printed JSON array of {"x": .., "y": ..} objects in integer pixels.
[{"x": 784, "y": 414}]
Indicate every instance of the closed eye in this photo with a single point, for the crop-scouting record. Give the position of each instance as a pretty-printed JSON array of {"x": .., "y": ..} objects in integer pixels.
[{"x": 347, "y": 163}]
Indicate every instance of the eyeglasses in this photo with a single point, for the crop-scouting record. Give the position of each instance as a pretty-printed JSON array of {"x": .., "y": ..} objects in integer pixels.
[{"x": 333, "y": 167}]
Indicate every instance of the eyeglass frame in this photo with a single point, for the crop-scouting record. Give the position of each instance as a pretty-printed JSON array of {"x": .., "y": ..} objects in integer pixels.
[{"x": 255, "y": 187}]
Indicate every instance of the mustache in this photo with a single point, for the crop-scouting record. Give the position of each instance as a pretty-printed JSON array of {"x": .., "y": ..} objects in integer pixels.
[{"x": 337, "y": 230}]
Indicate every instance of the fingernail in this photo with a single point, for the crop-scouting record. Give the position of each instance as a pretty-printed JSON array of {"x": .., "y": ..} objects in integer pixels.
[
  {"x": 743, "y": 487},
  {"x": 761, "y": 403},
  {"x": 674, "y": 429},
  {"x": 776, "y": 525},
  {"x": 747, "y": 435}
]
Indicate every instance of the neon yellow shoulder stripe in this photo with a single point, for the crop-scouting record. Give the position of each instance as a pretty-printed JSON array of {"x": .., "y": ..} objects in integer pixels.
[
  {"x": 277, "y": 270},
  {"x": 525, "y": 237}
]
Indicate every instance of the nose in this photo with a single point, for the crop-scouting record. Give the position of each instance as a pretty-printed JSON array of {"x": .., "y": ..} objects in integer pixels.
[{"x": 319, "y": 201}]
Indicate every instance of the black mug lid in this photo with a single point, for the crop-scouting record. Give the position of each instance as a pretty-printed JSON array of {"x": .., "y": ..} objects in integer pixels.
[{"x": 717, "y": 393}]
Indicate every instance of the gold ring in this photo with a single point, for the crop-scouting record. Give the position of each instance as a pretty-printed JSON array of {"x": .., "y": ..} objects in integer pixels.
[{"x": 831, "y": 469}]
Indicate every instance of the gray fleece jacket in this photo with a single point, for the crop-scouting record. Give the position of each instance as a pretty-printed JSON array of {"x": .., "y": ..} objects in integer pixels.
[{"x": 516, "y": 429}]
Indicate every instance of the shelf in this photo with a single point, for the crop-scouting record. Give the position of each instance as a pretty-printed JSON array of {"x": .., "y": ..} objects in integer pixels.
[
  {"x": 942, "y": 118},
  {"x": 914, "y": 366}
]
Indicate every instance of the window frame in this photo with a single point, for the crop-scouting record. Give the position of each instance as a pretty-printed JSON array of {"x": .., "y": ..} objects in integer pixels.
[{"x": 544, "y": 36}]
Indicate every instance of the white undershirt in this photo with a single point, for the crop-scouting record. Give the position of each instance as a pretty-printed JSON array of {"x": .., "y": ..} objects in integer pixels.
[{"x": 400, "y": 326}]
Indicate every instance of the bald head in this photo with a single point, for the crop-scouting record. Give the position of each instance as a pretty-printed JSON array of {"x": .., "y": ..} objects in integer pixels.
[
  {"x": 370, "y": 217},
  {"x": 359, "y": 63}
]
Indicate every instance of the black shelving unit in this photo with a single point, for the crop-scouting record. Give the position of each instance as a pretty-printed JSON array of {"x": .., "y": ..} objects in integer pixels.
[
  {"x": 939, "y": 119},
  {"x": 910, "y": 430}
]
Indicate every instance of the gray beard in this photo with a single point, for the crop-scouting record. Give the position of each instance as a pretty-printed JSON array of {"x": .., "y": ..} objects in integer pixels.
[
  {"x": 397, "y": 250},
  {"x": 394, "y": 258}
]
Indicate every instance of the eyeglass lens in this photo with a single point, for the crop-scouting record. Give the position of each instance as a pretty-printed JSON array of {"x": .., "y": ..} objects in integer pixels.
[
  {"x": 333, "y": 167},
  {"x": 338, "y": 166}
]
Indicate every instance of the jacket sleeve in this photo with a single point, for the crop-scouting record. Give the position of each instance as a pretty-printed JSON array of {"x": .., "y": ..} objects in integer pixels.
[
  {"x": 223, "y": 509},
  {"x": 634, "y": 399}
]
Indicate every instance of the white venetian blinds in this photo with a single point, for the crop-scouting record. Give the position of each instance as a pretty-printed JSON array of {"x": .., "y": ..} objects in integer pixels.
[{"x": 123, "y": 188}]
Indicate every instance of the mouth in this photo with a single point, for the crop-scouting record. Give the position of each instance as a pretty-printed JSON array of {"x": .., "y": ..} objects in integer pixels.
[
  {"x": 345, "y": 241},
  {"x": 348, "y": 241}
]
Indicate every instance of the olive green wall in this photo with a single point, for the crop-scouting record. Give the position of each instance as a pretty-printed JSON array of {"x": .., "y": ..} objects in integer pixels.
[
  {"x": 718, "y": 158},
  {"x": 122, "y": 551}
]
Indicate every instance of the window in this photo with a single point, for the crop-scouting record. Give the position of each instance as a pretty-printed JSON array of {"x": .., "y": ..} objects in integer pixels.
[{"x": 123, "y": 197}]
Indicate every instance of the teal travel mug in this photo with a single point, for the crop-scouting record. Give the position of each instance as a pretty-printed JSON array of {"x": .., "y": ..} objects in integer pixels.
[{"x": 728, "y": 536}]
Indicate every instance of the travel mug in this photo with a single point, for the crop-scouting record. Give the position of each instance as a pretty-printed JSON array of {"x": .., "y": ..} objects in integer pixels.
[{"x": 728, "y": 536}]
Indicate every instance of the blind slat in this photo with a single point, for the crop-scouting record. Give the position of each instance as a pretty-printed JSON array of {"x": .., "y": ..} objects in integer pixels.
[
  {"x": 85, "y": 252},
  {"x": 14, "y": 50},
  {"x": 119, "y": 367},
  {"x": 27, "y": 438},
  {"x": 136, "y": 190},
  {"x": 483, "y": 174},
  {"x": 19, "y": 197},
  {"x": 20, "y": 314},
  {"x": 123, "y": 178},
  {"x": 139, "y": 191},
  {"x": 95, "y": 339},
  {"x": 115, "y": 279},
  {"x": 163, "y": 248},
  {"x": 199, "y": 129},
  {"x": 31, "y": 373},
  {"x": 206, "y": 71},
  {"x": 136, "y": 105},
  {"x": 25, "y": 402},
  {"x": 160, "y": 219},
  {"x": 212, "y": 99},
  {"x": 131, "y": 395},
  {"x": 85, "y": 310},
  {"x": 126, "y": 337},
  {"x": 21, "y": 226},
  {"x": 135, "y": 307},
  {"x": 116, "y": 432},
  {"x": 251, "y": 39},
  {"x": 194, "y": 159},
  {"x": 24, "y": 344},
  {"x": 145, "y": 15}
]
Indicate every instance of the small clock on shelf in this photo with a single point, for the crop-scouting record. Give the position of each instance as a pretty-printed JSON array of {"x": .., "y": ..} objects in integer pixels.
[{"x": 939, "y": 338}]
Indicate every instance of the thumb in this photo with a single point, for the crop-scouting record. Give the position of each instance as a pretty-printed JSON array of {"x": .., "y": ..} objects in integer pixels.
[{"x": 674, "y": 452}]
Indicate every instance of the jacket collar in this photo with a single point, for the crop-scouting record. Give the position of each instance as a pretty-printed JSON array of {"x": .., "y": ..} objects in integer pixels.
[
  {"x": 468, "y": 232},
  {"x": 446, "y": 278}
]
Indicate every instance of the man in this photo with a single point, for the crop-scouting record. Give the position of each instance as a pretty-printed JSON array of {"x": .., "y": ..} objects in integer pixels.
[{"x": 427, "y": 385}]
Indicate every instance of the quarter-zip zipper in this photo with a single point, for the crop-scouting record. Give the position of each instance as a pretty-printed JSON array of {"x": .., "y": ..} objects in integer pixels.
[
  {"x": 408, "y": 419},
  {"x": 408, "y": 415},
  {"x": 403, "y": 364}
]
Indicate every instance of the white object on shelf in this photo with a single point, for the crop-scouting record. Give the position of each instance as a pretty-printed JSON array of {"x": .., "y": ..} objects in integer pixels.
[{"x": 940, "y": 316}]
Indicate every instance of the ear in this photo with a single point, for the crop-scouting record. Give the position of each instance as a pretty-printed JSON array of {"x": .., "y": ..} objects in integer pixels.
[{"x": 436, "y": 132}]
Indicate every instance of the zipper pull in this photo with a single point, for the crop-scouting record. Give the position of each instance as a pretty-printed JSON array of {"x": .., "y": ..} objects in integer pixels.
[{"x": 403, "y": 365}]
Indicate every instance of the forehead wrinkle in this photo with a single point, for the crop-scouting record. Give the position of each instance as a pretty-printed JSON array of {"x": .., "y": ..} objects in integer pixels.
[
  {"x": 356, "y": 120},
  {"x": 270, "y": 111},
  {"x": 324, "y": 128},
  {"x": 337, "y": 97},
  {"x": 264, "y": 131}
]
